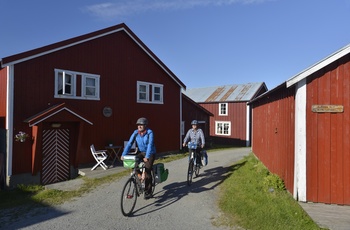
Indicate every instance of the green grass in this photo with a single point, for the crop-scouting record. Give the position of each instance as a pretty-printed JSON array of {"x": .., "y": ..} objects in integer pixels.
[
  {"x": 246, "y": 198},
  {"x": 253, "y": 198}
]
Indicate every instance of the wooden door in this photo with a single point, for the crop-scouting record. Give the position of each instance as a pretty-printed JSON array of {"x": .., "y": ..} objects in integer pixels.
[{"x": 55, "y": 161}]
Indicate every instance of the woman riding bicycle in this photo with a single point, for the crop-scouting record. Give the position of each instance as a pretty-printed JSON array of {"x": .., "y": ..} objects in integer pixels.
[
  {"x": 195, "y": 135},
  {"x": 146, "y": 150}
]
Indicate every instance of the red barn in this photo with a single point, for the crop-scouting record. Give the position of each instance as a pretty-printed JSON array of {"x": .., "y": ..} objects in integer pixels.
[
  {"x": 85, "y": 90},
  {"x": 301, "y": 131},
  {"x": 231, "y": 120}
]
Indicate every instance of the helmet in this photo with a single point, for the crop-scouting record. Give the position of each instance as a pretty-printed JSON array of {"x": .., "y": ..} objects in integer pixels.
[
  {"x": 194, "y": 122},
  {"x": 142, "y": 121}
]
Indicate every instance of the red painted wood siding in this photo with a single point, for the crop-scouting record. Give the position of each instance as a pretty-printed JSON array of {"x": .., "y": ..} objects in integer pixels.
[
  {"x": 121, "y": 63},
  {"x": 328, "y": 148},
  {"x": 237, "y": 115},
  {"x": 192, "y": 112},
  {"x": 273, "y": 133},
  {"x": 3, "y": 90}
]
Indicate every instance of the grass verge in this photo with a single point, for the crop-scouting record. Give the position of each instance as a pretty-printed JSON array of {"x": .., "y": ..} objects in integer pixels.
[{"x": 253, "y": 198}]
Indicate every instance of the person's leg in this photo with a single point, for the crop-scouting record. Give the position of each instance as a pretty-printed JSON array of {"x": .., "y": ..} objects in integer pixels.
[{"x": 148, "y": 166}]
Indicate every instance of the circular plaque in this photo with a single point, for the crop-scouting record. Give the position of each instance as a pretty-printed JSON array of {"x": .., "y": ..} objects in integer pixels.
[{"x": 107, "y": 111}]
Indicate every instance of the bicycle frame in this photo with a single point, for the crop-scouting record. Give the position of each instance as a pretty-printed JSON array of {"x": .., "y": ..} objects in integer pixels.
[
  {"x": 193, "y": 164},
  {"x": 133, "y": 188}
]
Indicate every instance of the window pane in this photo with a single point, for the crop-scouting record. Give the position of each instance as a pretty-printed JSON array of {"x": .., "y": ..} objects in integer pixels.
[
  {"x": 157, "y": 93},
  {"x": 60, "y": 83},
  {"x": 68, "y": 84},
  {"x": 219, "y": 128},
  {"x": 90, "y": 82},
  {"x": 142, "y": 96},
  {"x": 64, "y": 84},
  {"x": 90, "y": 86},
  {"x": 142, "y": 92},
  {"x": 226, "y": 128}
]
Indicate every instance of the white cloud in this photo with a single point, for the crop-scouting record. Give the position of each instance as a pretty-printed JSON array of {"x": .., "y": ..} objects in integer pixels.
[{"x": 119, "y": 8}]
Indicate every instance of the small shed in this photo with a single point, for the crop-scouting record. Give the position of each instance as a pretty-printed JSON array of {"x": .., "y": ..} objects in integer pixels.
[{"x": 301, "y": 131}]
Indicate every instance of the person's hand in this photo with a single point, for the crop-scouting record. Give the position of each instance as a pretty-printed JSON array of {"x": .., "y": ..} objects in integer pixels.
[
  {"x": 145, "y": 159},
  {"x": 202, "y": 146},
  {"x": 122, "y": 158},
  {"x": 184, "y": 144}
]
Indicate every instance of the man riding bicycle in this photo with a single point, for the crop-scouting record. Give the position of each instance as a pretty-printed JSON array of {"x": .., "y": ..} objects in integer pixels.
[
  {"x": 143, "y": 136},
  {"x": 195, "y": 135}
]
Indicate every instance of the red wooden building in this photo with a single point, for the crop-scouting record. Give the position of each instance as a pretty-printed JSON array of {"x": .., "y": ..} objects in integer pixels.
[
  {"x": 231, "y": 120},
  {"x": 301, "y": 131},
  {"x": 192, "y": 111},
  {"x": 85, "y": 90}
]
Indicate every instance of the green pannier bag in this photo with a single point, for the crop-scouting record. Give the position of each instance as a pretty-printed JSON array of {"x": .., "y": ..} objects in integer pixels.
[{"x": 160, "y": 173}]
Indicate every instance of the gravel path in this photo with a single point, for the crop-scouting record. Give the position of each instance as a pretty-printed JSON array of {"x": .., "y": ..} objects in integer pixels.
[{"x": 175, "y": 204}]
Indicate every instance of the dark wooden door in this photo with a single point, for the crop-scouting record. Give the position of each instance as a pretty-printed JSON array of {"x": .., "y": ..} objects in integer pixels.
[{"x": 55, "y": 163}]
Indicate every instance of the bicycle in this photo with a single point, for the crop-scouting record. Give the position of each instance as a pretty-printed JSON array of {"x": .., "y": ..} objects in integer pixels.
[
  {"x": 134, "y": 186},
  {"x": 194, "y": 164}
]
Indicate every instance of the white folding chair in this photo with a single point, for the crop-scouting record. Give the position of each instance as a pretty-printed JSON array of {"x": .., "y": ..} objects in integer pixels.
[
  {"x": 133, "y": 149},
  {"x": 100, "y": 156}
]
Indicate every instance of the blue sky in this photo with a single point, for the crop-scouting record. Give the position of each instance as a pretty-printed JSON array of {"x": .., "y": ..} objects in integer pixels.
[{"x": 204, "y": 42}]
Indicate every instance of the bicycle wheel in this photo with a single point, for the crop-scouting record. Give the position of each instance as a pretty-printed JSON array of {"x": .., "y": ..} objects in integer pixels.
[
  {"x": 190, "y": 172},
  {"x": 197, "y": 167},
  {"x": 129, "y": 197},
  {"x": 153, "y": 181}
]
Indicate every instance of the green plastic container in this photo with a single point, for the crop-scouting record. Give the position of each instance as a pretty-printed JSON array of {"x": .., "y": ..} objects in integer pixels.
[{"x": 129, "y": 161}]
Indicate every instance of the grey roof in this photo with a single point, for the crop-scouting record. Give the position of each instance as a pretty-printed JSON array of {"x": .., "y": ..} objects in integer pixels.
[{"x": 225, "y": 93}]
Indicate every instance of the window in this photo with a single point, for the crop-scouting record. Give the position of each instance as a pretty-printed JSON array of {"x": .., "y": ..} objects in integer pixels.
[
  {"x": 223, "y": 128},
  {"x": 149, "y": 92},
  {"x": 76, "y": 85},
  {"x": 223, "y": 109},
  {"x": 65, "y": 83}
]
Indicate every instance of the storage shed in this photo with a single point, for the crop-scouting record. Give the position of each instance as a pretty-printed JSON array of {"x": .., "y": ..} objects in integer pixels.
[{"x": 301, "y": 131}]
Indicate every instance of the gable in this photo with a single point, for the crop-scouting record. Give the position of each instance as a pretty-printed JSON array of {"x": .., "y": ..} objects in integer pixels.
[{"x": 49, "y": 49}]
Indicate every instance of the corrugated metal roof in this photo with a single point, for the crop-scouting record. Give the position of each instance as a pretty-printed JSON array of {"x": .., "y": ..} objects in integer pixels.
[{"x": 241, "y": 92}]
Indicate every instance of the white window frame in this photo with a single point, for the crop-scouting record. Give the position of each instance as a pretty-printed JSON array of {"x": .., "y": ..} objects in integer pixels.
[
  {"x": 220, "y": 132},
  {"x": 83, "y": 77},
  {"x": 160, "y": 94},
  {"x": 150, "y": 95},
  {"x": 220, "y": 109}
]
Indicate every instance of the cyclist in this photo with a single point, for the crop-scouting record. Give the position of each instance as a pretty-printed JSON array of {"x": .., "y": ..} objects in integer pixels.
[
  {"x": 144, "y": 138},
  {"x": 195, "y": 135}
]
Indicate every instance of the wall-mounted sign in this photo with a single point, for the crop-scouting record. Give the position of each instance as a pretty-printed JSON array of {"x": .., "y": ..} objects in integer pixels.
[
  {"x": 327, "y": 108},
  {"x": 107, "y": 111}
]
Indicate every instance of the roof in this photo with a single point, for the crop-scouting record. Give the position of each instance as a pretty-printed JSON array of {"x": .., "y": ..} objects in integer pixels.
[
  {"x": 51, "y": 111},
  {"x": 319, "y": 65},
  {"x": 225, "y": 93},
  {"x": 21, "y": 57}
]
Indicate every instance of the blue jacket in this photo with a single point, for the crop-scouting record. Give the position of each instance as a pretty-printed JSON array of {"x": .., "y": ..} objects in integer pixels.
[{"x": 145, "y": 143}]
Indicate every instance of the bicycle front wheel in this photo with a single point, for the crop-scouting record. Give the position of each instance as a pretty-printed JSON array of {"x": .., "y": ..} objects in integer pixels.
[
  {"x": 190, "y": 172},
  {"x": 129, "y": 197}
]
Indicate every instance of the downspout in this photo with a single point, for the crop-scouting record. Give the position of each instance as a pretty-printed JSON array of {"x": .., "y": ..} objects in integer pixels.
[
  {"x": 248, "y": 126},
  {"x": 181, "y": 126},
  {"x": 9, "y": 122}
]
